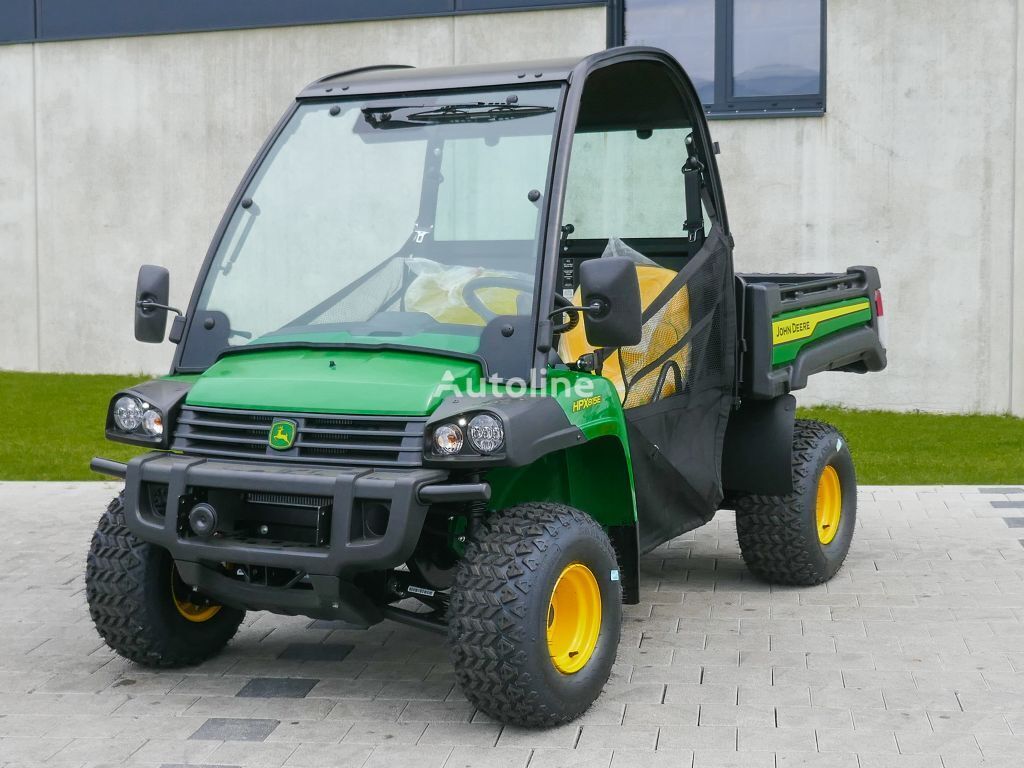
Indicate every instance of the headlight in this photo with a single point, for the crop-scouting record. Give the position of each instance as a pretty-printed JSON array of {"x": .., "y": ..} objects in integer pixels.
[
  {"x": 128, "y": 413},
  {"x": 152, "y": 423},
  {"x": 145, "y": 414},
  {"x": 486, "y": 434},
  {"x": 138, "y": 417},
  {"x": 448, "y": 439}
]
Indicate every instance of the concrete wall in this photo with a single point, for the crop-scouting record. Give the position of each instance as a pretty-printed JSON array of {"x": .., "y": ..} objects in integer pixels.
[
  {"x": 1016, "y": 335},
  {"x": 19, "y": 310},
  {"x": 915, "y": 169},
  {"x": 126, "y": 152}
]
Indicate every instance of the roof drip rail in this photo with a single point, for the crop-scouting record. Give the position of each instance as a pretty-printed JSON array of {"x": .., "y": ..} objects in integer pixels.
[{"x": 360, "y": 70}]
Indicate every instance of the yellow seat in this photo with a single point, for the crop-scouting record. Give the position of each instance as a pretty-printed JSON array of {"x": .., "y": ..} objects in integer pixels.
[{"x": 660, "y": 334}]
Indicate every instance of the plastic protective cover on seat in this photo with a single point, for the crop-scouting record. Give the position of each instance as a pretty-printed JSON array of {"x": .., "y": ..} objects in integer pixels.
[
  {"x": 660, "y": 334},
  {"x": 439, "y": 291}
]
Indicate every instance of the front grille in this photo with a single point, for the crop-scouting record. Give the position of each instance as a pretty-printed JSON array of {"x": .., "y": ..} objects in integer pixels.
[
  {"x": 287, "y": 499},
  {"x": 319, "y": 438}
]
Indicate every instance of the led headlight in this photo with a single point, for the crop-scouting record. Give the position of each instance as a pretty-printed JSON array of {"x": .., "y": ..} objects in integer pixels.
[
  {"x": 486, "y": 434},
  {"x": 448, "y": 439},
  {"x": 145, "y": 414},
  {"x": 128, "y": 413}
]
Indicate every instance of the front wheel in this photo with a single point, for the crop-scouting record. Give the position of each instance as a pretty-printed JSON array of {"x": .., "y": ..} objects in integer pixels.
[
  {"x": 535, "y": 615},
  {"x": 802, "y": 538},
  {"x": 141, "y": 607}
]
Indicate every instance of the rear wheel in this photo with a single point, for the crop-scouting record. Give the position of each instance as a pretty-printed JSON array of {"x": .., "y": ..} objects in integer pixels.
[
  {"x": 535, "y": 615},
  {"x": 803, "y": 538},
  {"x": 141, "y": 607}
]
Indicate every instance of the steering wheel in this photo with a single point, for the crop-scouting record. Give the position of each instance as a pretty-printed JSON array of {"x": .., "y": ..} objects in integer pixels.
[
  {"x": 473, "y": 301},
  {"x": 515, "y": 283}
]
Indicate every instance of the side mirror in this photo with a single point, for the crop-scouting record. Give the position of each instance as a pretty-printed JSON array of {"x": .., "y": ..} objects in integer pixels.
[
  {"x": 152, "y": 292},
  {"x": 611, "y": 292}
]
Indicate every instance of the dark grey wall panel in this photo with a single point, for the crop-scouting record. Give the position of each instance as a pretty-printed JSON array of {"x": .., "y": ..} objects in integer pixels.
[
  {"x": 510, "y": 5},
  {"x": 17, "y": 21},
  {"x": 63, "y": 19},
  {"x": 73, "y": 19}
]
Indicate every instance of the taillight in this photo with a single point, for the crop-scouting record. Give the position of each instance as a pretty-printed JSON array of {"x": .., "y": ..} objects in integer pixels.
[{"x": 880, "y": 324}]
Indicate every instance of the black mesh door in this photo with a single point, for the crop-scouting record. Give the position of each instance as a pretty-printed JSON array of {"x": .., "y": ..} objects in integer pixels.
[{"x": 679, "y": 388}]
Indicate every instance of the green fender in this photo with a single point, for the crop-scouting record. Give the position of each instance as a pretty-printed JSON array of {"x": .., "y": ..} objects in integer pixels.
[{"x": 595, "y": 476}]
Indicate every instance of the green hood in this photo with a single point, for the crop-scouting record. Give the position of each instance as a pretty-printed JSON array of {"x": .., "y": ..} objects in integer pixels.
[{"x": 395, "y": 382}]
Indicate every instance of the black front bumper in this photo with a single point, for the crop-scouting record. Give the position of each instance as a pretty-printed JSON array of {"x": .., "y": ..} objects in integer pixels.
[{"x": 222, "y": 566}]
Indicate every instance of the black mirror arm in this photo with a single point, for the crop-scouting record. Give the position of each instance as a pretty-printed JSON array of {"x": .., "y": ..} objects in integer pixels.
[
  {"x": 596, "y": 307},
  {"x": 148, "y": 305}
]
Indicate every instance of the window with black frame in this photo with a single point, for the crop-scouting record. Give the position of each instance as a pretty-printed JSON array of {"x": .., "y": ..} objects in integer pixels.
[{"x": 747, "y": 58}]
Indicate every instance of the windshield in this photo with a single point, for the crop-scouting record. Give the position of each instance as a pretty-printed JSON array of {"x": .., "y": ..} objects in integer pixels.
[{"x": 401, "y": 221}]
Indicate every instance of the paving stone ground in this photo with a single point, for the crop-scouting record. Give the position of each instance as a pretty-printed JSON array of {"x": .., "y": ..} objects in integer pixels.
[{"x": 912, "y": 657}]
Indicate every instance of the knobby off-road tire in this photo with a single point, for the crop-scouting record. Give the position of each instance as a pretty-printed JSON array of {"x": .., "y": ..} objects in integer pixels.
[
  {"x": 779, "y": 535},
  {"x": 501, "y": 607},
  {"x": 129, "y": 583}
]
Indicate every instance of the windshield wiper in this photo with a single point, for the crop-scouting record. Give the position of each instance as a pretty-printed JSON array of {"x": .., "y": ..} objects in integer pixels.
[{"x": 477, "y": 112}]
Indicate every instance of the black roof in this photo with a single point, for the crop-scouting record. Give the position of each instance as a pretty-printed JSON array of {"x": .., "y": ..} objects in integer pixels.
[{"x": 397, "y": 78}]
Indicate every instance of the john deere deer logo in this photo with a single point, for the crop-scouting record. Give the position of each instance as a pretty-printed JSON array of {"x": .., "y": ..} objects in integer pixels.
[{"x": 282, "y": 434}]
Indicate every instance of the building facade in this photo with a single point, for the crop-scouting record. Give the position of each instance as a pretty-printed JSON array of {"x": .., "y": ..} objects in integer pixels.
[{"x": 884, "y": 133}]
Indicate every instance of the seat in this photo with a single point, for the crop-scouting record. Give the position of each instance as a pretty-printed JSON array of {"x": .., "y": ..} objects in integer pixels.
[{"x": 660, "y": 334}]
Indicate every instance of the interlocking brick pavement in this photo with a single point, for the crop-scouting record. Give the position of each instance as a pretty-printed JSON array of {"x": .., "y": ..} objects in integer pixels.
[{"x": 912, "y": 657}]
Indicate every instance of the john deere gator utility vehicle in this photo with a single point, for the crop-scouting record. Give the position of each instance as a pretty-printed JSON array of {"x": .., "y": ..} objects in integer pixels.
[{"x": 466, "y": 344}]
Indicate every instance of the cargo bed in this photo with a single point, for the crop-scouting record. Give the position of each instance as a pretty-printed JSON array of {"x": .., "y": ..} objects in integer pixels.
[{"x": 792, "y": 326}]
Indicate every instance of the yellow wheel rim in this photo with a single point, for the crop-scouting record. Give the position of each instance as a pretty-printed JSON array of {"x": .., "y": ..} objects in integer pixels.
[
  {"x": 829, "y": 507},
  {"x": 180, "y": 593},
  {"x": 574, "y": 618}
]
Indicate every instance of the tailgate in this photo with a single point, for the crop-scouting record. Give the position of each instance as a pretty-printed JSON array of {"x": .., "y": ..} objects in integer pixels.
[{"x": 792, "y": 326}]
